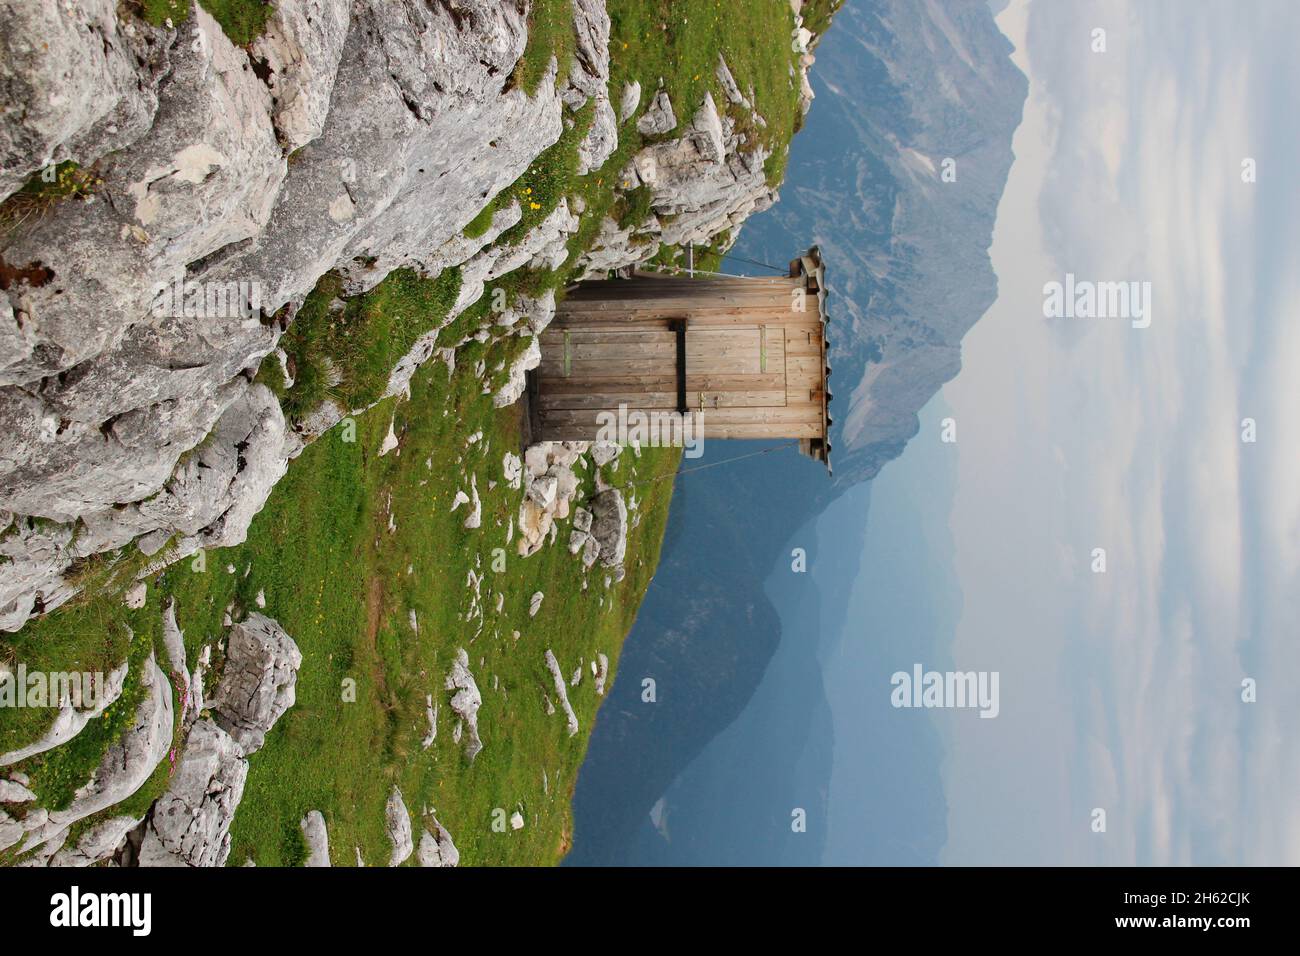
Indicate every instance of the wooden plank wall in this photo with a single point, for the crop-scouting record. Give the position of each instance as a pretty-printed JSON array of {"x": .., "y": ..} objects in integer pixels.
[{"x": 753, "y": 363}]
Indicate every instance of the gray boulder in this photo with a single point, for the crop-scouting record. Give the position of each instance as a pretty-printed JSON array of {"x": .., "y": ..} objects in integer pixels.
[
  {"x": 659, "y": 118},
  {"x": 466, "y": 701},
  {"x": 300, "y": 50},
  {"x": 189, "y": 825},
  {"x": 609, "y": 526},
  {"x": 437, "y": 848},
  {"x": 124, "y": 768},
  {"x": 629, "y": 101},
  {"x": 317, "y": 837},
  {"x": 78, "y": 81},
  {"x": 257, "y": 685},
  {"x": 97, "y": 844},
  {"x": 398, "y": 823}
]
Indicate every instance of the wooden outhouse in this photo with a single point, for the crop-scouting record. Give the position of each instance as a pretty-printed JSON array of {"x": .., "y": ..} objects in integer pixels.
[{"x": 747, "y": 353}]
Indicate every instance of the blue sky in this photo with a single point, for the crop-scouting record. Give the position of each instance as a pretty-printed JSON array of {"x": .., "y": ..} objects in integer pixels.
[{"x": 1122, "y": 690}]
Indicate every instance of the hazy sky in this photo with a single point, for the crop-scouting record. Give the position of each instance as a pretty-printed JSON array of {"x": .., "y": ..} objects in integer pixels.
[{"x": 1122, "y": 690}]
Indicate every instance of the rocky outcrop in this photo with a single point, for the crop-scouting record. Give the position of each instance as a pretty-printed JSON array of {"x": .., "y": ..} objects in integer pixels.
[
  {"x": 397, "y": 821},
  {"x": 11, "y": 791},
  {"x": 402, "y": 129},
  {"x": 550, "y": 484},
  {"x": 300, "y": 51},
  {"x": 561, "y": 691},
  {"x": 357, "y": 136},
  {"x": 125, "y": 767},
  {"x": 609, "y": 526},
  {"x": 317, "y": 839},
  {"x": 52, "y": 113},
  {"x": 189, "y": 825},
  {"x": 70, "y": 721},
  {"x": 465, "y": 702},
  {"x": 437, "y": 848},
  {"x": 208, "y": 502},
  {"x": 98, "y": 843},
  {"x": 257, "y": 686},
  {"x": 658, "y": 118}
]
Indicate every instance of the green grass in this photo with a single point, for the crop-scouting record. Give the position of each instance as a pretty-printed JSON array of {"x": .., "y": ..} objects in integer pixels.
[
  {"x": 241, "y": 20},
  {"x": 817, "y": 14},
  {"x": 345, "y": 349},
  {"x": 678, "y": 41},
  {"x": 550, "y": 34},
  {"x": 45, "y": 189},
  {"x": 338, "y": 581}
]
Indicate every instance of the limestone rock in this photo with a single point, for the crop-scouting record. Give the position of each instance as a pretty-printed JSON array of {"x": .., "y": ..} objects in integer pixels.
[
  {"x": 398, "y": 823},
  {"x": 561, "y": 691},
  {"x": 11, "y": 831},
  {"x": 706, "y": 132},
  {"x": 529, "y": 359},
  {"x": 98, "y": 843},
  {"x": 430, "y": 714},
  {"x": 511, "y": 469},
  {"x": 300, "y": 49},
  {"x": 69, "y": 721},
  {"x": 437, "y": 848},
  {"x": 658, "y": 118},
  {"x": 314, "y": 832},
  {"x": 542, "y": 490},
  {"x": 466, "y": 700},
  {"x": 609, "y": 526},
  {"x": 728, "y": 82},
  {"x": 13, "y": 792},
  {"x": 135, "y": 596},
  {"x": 604, "y": 452},
  {"x": 257, "y": 685},
  {"x": 601, "y": 140},
  {"x": 629, "y": 101},
  {"x": 86, "y": 79},
  {"x": 475, "y": 516},
  {"x": 189, "y": 825}
]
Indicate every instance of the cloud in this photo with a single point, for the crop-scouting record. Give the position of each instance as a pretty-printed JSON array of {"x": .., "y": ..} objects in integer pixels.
[{"x": 1129, "y": 169}]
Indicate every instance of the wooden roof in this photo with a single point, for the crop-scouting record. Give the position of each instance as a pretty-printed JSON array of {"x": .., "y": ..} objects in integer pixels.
[{"x": 811, "y": 266}]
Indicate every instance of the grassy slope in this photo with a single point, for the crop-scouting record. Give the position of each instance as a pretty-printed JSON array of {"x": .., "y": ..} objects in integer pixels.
[{"x": 337, "y": 579}]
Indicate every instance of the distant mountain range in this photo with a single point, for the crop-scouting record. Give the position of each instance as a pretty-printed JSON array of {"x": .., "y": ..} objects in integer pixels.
[{"x": 901, "y": 86}]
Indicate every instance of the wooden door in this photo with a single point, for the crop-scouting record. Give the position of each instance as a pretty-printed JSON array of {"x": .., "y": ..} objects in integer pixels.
[
  {"x": 735, "y": 366},
  {"x": 602, "y": 368}
]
